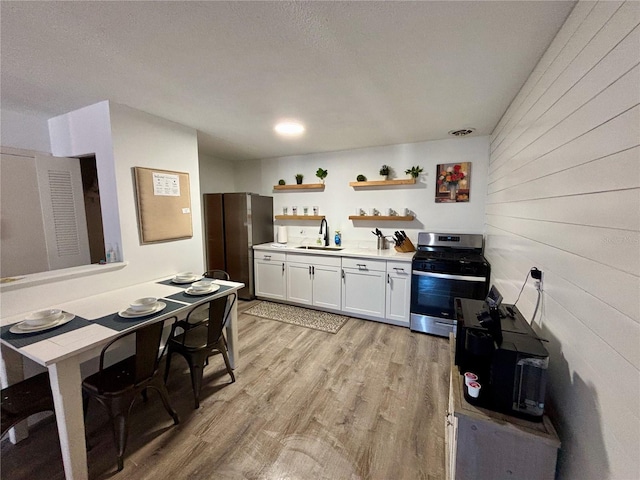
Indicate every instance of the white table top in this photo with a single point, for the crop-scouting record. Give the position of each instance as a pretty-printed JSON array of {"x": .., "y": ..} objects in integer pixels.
[{"x": 85, "y": 339}]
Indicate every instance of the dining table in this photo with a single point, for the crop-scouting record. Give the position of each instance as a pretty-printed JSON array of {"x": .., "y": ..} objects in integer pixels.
[{"x": 97, "y": 319}]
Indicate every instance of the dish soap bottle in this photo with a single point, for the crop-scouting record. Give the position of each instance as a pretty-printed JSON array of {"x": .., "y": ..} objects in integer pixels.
[{"x": 337, "y": 238}]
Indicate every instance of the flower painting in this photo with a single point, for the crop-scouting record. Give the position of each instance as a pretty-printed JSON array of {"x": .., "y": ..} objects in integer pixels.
[{"x": 453, "y": 182}]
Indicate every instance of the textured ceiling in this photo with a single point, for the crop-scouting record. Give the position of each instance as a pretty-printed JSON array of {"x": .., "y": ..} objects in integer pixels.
[{"x": 356, "y": 74}]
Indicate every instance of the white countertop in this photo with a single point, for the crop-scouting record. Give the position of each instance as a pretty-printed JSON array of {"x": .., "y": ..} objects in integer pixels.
[{"x": 387, "y": 254}]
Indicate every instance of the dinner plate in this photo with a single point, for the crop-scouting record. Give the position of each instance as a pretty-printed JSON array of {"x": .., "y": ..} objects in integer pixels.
[
  {"x": 182, "y": 282},
  {"x": 131, "y": 314},
  {"x": 61, "y": 320},
  {"x": 213, "y": 288}
]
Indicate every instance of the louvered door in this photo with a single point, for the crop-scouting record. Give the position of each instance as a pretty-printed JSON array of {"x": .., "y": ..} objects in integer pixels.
[{"x": 63, "y": 213}]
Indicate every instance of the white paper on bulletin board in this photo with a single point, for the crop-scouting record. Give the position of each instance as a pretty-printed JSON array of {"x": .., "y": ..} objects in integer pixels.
[{"x": 165, "y": 184}]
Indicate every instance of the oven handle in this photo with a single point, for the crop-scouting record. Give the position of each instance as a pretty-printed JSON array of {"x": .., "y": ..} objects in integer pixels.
[{"x": 451, "y": 277}]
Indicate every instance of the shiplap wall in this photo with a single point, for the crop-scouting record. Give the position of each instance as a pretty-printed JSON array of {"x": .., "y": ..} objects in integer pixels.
[{"x": 564, "y": 196}]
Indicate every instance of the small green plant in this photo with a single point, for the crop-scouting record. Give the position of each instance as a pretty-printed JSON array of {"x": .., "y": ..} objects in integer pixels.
[
  {"x": 282, "y": 182},
  {"x": 321, "y": 174},
  {"x": 361, "y": 178},
  {"x": 385, "y": 170},
  {"x": 414, "y": 171},
  {"x": 299, "y": 178}
]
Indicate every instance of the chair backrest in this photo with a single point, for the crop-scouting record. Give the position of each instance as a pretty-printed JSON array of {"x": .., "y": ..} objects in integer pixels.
[
  {"x": 219, "y": 311},
  {"x": 216, "y": 274},
  {"x": 147, "y": 348}
]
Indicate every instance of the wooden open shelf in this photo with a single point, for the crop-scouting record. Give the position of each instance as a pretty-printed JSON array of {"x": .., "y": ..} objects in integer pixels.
[
  {"x": 304, "y": 186},
  {"x": 383, "y": 183},
  {"x": 299, "y": 217},
  {"x": 397, "y": 218}
]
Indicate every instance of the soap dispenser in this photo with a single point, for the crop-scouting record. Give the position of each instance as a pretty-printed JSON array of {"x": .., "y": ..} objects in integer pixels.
[{"x": 338, "y": 238}]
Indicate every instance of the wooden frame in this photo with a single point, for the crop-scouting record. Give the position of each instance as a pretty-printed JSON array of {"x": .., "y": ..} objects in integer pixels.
[{"x": 164, "y": 205}]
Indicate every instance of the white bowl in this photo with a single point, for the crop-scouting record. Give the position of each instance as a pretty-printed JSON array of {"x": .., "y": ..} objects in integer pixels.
[
  {"x": 142, "y": 304},
  {"x": 184, "y": 276},
  {"x": 201, "y": 285},
  {"x": 42, "y": 317}
]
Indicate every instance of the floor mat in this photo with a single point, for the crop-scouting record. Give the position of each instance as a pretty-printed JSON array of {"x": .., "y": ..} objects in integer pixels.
[{"x": 304, "y": 317}]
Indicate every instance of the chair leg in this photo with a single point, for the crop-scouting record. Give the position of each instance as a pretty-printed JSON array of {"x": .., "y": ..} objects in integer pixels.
[
  {"x": 223, "y": 350},
  {"x": 119, "y": 414},
  {"x": 196, "y": 368},
  {"x": 164, "y": 396},
  {"x": 145, "y": 398}
]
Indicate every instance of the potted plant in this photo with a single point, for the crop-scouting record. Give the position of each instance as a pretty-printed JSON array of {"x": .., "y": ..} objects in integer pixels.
[
  {"x": 414, "y": 171},
  {"x": 299, "y": 178},
  {"x": 282, "y": 182},
  {"x": 361, "y": 178},
  {"x": 321, "y": 174},
  {"x": 385, "y": 171}
]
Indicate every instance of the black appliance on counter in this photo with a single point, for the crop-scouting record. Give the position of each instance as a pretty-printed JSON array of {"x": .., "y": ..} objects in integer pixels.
[
  {"x": 234, "y": 223},
  {"x": 444, "y": 267},
  {"x": 497, "y": 344}
]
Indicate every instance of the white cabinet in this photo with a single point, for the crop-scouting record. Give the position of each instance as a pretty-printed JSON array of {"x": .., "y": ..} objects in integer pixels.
[
  {"x": 363, "y": 286},
  {"x": 314, "y": 280},
  {"x": 270, "y": 275},
  {"x": 398, "y": 296}
]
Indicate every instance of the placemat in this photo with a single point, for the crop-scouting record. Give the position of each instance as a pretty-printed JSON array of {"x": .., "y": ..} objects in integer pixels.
[
  {"x": 20, "y": 340},
  {"x": 172, "y": 284},
  {"x": 116, "y": 322},
  {"x": 183, "y": 297}
]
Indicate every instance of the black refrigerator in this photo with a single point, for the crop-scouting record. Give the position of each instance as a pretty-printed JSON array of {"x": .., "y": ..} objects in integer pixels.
[{"x": 234, "y": 223}]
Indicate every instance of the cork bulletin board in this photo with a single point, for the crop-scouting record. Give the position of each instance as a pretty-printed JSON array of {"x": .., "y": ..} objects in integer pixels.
[{"x": 164, "y": 205}]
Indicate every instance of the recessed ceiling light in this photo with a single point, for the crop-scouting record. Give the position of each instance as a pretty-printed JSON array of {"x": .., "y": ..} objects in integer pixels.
[
  {"x": 462, "y": 132},
  {"x": 289, "y": 128}
]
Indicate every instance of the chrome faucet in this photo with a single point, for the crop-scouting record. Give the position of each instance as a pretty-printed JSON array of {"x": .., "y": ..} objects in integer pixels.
[{"x": 326, "y": 231}]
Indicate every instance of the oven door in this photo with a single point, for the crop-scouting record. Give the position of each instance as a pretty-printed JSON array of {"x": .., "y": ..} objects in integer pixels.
[{"x": 432, "y": 294}]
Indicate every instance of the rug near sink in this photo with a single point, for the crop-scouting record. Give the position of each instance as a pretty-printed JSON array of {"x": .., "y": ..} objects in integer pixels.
[{"x": 303, "y": 317}]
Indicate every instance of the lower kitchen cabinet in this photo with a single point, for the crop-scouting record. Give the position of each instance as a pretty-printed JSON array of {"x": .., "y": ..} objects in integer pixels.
[
  {"x": 314, "y": 280},
  {"x": 486, "y": 445},
  {"x": 270, "y": 275},
  {"x": 398, "y": 296},
  {"x": 363, "y": 286}
]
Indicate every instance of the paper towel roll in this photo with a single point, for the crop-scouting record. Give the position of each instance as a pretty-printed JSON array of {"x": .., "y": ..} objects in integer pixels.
[{"x": 282, "y": 234}]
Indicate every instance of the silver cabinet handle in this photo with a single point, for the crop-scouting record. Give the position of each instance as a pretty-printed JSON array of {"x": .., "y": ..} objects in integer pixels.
[
  {"x": 388, "y": 278},
  {"x": 342, "y": 273},
  {"x": 282, "y": 267},
  {"x": 361, "y": 266},
  {"x": 313, "y": 270},
  {"x": 267, "y": 257},
  {"x": 309, "y": 270},
  {"x": 398, "y": 269}
]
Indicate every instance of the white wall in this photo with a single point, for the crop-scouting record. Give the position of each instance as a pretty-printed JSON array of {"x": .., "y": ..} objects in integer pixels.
[
  {"x": 127, "y": 138},
  {"x": 339, "y": 200},
  {"x": 23, "y": 130},
  {"x": 216, "y": 175},
  {"x": 564, "y": 196}
]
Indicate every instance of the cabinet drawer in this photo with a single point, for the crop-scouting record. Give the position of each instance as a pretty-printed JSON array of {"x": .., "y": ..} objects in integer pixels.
[
  {"x": 399, "y": 268},
  {"x": 366, "y": 264},
  {"x": 265, "y": 256},
  {"x": 314, "y": 259}
]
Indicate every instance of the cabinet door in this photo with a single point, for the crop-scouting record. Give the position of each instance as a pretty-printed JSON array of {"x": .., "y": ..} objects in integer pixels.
[
  {"x": 270, "y": 279},
  {"x": 299, "y": 283},
  {"x": 398, "y": 292},
  {"x": 326, "y": 286},
  {"x": 363, "y": 292}
]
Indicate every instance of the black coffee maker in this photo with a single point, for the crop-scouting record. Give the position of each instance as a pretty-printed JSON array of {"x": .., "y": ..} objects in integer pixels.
[{"x": 497, "y": 344}]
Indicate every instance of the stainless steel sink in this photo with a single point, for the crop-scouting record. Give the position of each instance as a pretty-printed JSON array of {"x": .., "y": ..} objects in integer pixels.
[{"x": 314, "y": 247}]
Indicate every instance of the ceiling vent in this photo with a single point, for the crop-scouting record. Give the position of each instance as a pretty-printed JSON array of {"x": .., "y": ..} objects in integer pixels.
[{"x": 463, "y": 132}]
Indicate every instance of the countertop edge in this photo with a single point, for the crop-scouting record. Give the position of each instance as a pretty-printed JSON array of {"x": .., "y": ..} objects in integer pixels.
[{"x": 387, "y": 254}]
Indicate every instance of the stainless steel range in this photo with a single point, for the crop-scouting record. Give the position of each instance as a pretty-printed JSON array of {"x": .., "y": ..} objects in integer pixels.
[{"x": 444, "y": 267}]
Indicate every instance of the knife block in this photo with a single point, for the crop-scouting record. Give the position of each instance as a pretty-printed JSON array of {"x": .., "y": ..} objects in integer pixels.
[{"x": 405, "y": 246}]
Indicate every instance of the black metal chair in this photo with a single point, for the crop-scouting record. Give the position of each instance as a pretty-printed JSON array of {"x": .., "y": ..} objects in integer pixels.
[
  {"x": 198, "y": 341},
  {"x": 216, "y": 274},
  {"x": 25, "y": 398},
  {"x": 117, "y": 386}
]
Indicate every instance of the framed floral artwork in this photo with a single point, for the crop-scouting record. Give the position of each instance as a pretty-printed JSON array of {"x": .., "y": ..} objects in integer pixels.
[{"x": 453, "y": 182}]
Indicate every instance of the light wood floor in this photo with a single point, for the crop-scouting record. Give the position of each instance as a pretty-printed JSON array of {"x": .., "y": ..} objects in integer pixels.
[{"x": 366, "y": 403}]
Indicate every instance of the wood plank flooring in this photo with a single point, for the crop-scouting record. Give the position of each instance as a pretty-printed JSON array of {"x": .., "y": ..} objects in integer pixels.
[{"x": 366, "y": 403}]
